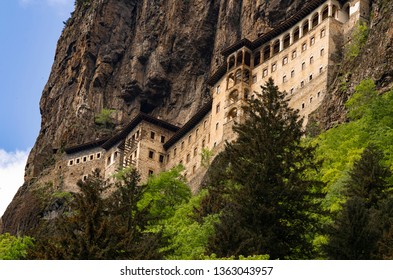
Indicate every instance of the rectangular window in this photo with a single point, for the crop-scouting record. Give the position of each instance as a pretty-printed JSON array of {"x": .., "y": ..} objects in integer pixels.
[
  {"x": 152, "y": 135},
  {"x": 311, "y": 60},
  {"x": 174, "y": 152},
  {"x": 188, "y": 158},
  {"x": 195, "y": 152},
  {"x": 274, "y": 67},
  {"x": 151, "y": 172},
  {"x": 310, "y": 77},
  {"x": 189, "y": 139},
  {"x": 302, "y": 84},
  {"x": 323, "y": 33},
  {"x": 91, "y": 157},
  {"x": 217, "y": 108},
  {"x": 304, "y": 47},
  {"x": 265, "y": 73},
  {"x": 98, "y": 155},
  {"x": 182, "y": 146},
  {"x": 78, "y": 160},
  {"x": 285, "y": 60},
  {"x": 218, "y": 89},
  {"x": 162, "y": 139},
  {"x": 151, "y": 154},
  {"x": 161, "y": 159},
  {"x": 303, "y": 65},
  {"x": 322, "y": 52},
  {"x": 197, "y": 133},
  {"x": 284, "y": 79},
  {"x": 84, "y": 159},
  {"x": 320, "y": 69},
  {"x": 294, "y": 54},
  {"x": 254, "y": 79},
  {"x": 71, "y": 162},
  {"x": 292, "y": 73},
  {"x": 302, "y": 105},
  {"x": 291, "y": 90},
  {"x": 216, "y": 126},
  {"x": 312, "y": 40}
]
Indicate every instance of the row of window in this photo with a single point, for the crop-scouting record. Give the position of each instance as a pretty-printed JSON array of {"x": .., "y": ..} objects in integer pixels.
[
  {"x": 311, "y": 100},
  {"x": 84, "y": 159},
  {"x": 153, "y": 136},
  {"x": 265, "y": 71}
]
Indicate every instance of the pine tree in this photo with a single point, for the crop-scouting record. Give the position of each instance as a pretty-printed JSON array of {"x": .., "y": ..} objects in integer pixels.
[
  {"x": 368, "y": 177},
  {"x": 272, "y": 205},
  {"x": 363, "y": 229}
]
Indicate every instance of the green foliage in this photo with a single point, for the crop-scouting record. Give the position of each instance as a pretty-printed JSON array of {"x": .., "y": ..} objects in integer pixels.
[
  {"x": 358, "y": 104},
  {"x": 187, "y": 237},
  {"x": 241, "y": 258},
  {"x": 206, "y": 157},
  {"x": 124, "y": 221},
  {"x": 104, "y": 118},
  {"x": 340, "y": 147},
  {"x": 14, "y": 248},
  {"x": 359, "y": 38},
  {"x": 363, "y": 223},
  {"x": 165, "y": 192},
  {"x": 272, "y": 204},
  {"x": 84, "y": 3}
]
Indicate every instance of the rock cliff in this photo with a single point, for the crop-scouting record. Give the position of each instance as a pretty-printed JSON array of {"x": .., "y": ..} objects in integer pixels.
[{"x": 155, "y": 56}]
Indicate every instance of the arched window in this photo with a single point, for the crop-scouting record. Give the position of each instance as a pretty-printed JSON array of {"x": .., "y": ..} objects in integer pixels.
[
  {"x": 231, "y": 81},
  {"x": 238, "y": 76},
  {"x": 287, "y": 41},
  {"x": 305, "y": 27},
  {"x": 276, "y": 47},
  {"x": 346, "y": 10},
  {"x": 231, "y": 62},
  {"x": 239, "y": 59},
  {"x": 334, "y": 11},
  {"x": 247, "y": 58},
  {"x": 325, "y": 13},
  {"x": 315, "y": 20},
  {"x": 257, "y": 58},
  {"x": 246, "y": 94},
  {"x": 232, "y": 114},
  {"x": 233, "y": 96},
  {"x": 296, "y": 34},
  {"x": 246, "y": 76},
  {"x": 266, "y": 53}
]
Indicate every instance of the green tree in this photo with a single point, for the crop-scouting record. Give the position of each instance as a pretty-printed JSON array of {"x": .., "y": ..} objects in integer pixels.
[
  {"x": 164, "y": 192},
  {"x": 104, "y": 118},
  {"x": 130, "y": 219},
  {"x": 362, "y": 229},
  {"x": 187, "y": 236},
  {"x": 272, "y": 206},
  {"x": 83, "y": 231},
  {"x": 14, "y": 248}
]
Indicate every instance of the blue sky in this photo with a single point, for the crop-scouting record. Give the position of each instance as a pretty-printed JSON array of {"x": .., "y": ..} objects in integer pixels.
[{"x": 29, "y": 30}]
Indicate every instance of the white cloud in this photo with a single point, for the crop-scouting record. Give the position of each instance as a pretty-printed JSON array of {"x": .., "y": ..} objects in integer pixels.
[{"x": 12, "y": 166}]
